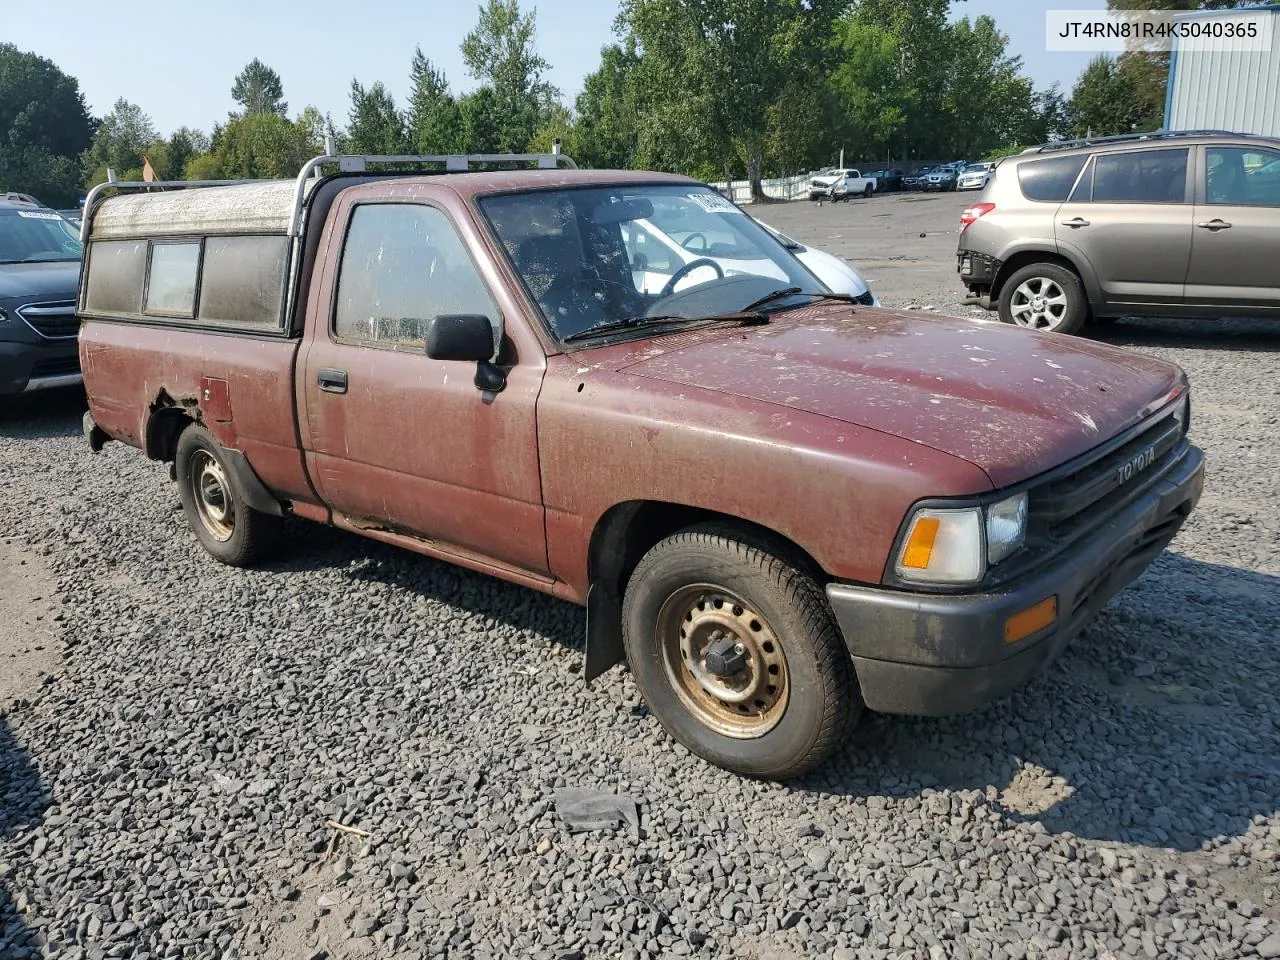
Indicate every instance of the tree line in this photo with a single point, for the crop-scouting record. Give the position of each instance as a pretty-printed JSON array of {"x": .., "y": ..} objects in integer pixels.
[{"x": 720, "y": 89}]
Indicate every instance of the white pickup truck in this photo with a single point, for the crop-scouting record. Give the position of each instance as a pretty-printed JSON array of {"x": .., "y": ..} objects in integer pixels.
[{"x": 840, "y": 184}]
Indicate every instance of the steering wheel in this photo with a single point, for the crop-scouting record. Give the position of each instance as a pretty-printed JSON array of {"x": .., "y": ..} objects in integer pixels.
[
  {"x": 689, "y": 239},
  {"x": 687, "y": 269}
]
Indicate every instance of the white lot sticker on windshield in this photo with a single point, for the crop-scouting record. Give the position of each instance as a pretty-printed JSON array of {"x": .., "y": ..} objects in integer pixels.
[
  {"x": 32, "y": 215},
  {"x": 713, "y": 203}
]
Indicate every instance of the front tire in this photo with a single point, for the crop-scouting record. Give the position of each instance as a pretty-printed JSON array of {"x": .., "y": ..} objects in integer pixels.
[
  {"x": 229, "y": 529},
  {"x": 737, "y": 654},
  {"x": 1044, "y": 296}
]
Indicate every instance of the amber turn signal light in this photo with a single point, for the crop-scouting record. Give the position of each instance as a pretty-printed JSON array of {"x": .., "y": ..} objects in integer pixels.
[
  {"x": 920, "y": 544},
  {"x": 1022, "y": 625}
]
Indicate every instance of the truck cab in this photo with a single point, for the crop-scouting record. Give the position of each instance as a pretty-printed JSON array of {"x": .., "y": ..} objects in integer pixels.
[{"x": 779, "y": 505}]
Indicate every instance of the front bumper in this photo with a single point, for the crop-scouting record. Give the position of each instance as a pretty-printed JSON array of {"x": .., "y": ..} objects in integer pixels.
[
  {"x": 25, "y": 367},
  {"x": 933, "y": 654}
]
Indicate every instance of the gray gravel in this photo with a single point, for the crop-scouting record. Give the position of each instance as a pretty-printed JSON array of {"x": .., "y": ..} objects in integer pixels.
[{"x": 167, "y": 789}]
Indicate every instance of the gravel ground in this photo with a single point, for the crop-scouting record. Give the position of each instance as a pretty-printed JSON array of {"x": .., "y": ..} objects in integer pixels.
[{"x": 168, "y": 782}]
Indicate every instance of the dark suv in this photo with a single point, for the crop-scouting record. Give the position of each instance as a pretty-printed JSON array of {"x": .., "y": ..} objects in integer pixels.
[
  {"x": 1167, "y": 224},
  {"x": 39, "y": 271}
]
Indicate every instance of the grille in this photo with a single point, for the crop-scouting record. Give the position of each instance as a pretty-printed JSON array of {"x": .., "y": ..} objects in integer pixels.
[
  {"x": 56, "y": 320},
  {"x": 1071, "y": 503},
  {"x": 57, "y": 367},
  {"x": 1083, "y": 496}
]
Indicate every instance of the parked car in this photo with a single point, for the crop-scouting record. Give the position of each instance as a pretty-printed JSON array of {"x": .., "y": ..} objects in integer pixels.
[
  {"x": 656, "y": 255},
  {"x": 973, "y": 176},
  {"x": 39, "y": 268},
  {"x": 1163, "y": 224},
  {"x": 942, "y": 178},
  {"x": 913, "y": 181},
  {"x": 780, "y": 507},
  {"x": 887, "y": 181},
  {"x": 841, "y": 184},
  {"x": 838, "y": 274}
]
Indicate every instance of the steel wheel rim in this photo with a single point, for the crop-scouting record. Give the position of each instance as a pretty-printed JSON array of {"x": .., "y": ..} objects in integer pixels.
[
  {"x": 211, "y": 494},
  {"x": 752, "y": 701},
  {"x": 1039, "y": 304}
]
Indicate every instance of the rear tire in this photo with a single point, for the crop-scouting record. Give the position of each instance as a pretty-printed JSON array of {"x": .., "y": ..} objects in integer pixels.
[
  {"x": 1046, "y": 297},
  {"x": 229, "y": 529},
  {"x": 791, "y": 694},
  {"x": 868, "y": 191}
]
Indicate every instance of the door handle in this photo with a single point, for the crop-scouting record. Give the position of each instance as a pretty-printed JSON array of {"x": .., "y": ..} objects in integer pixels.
[
  {"x": 1214, "y": 225},
  {"x": 332, "y": 381},
  {"x": 1077, "y": 222}
]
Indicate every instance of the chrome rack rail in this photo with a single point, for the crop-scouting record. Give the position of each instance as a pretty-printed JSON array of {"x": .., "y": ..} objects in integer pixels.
[{"x": 451, "y": 163}]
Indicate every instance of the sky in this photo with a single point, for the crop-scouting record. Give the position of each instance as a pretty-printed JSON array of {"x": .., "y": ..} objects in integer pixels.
[{"x": 179, "y": 69}]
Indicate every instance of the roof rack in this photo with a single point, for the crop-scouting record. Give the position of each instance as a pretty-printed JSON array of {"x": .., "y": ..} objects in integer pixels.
[
  {"x": 1130, "y": 138},
  {"x": 451, "y": 163},
  {"x": 12, "y": 197}
]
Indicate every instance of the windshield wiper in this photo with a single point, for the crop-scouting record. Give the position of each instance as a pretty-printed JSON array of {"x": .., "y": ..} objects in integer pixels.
[
  {"x": 627, "y": 323},
  {"x": 786, "y": 292}
]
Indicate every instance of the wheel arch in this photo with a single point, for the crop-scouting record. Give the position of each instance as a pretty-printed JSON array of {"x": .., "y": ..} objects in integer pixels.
[
  {"x": 1025, "y": 257},
  {"x": 624, "y": 534}
]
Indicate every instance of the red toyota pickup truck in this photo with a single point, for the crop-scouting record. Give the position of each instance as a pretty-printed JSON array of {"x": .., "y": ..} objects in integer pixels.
[{"x": 779, "y": 505}]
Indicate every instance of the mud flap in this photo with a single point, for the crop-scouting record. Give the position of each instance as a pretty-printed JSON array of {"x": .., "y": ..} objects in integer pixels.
[
  {"x": 255, "y": 493},
  {"x": 604, "y": 632}
]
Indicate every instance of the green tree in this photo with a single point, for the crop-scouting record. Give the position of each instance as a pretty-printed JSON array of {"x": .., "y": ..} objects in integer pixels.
[
  {"x": 44, "y": 127},
  {"x": 376, "y": 125},
  {"x": 718, "y": 73},
  {"x": 870, "y": 99},
  {"x": 500, "y": 53},
  {"x": 434, "y": 118},
  {"x": 257, "y": 146},
  {"x": 258, "y": 90},
  {"x": 169, "y": 158},
  {"x": 608, "y": 109},
  {"x": 1104, "y": 101},
  {"x": 119, "y": 143}
]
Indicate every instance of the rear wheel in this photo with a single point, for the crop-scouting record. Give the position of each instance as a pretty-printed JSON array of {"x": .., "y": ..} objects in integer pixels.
[
  {"x": 737, "y": 654},
  {"x": 868, "y": 191},
  {"x": 228, "y": 528},
  {"x": 1044, "y": 296}
]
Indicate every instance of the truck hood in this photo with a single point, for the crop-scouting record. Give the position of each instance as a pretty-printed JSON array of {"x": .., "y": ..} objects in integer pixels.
[
  {"x": 1010, "y": 401},
  {"x": 33, "y": 282}
]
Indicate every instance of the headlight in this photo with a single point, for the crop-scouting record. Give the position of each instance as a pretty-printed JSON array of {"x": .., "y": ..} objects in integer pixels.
[
  {"x": 1181, "y": 412},
  {"x": 1006, "y": 527},
  {"x": 943, "y": 546},
  {"x": 947, "y": 546}
]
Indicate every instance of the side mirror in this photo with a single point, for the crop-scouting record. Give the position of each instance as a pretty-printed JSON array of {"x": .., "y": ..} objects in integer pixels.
[
  {"x": 468, "y": 337},
  {"x": 460, "y": 336}
]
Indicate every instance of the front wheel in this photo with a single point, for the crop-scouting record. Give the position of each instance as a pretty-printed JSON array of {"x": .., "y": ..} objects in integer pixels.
[
  {"x": 737, "y": 654},
  {"x": 1044, "y": 296},
  {"x": 227, "y": 527}
]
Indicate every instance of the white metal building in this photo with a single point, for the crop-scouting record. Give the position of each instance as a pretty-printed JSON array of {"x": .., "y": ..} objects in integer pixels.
[{"x": 1215, "y": 86}]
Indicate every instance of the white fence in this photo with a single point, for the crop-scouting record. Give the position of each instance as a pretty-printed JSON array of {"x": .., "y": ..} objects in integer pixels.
[{"x": 781, "y": 188}]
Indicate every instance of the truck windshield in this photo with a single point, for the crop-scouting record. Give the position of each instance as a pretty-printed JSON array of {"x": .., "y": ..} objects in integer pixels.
[
  {"x": 590, "y": 256},
  {"x": 36, "y": 236}
]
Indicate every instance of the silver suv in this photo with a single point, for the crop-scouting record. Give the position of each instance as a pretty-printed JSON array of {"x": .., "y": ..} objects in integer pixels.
[{"x": 1167, "y": 224}]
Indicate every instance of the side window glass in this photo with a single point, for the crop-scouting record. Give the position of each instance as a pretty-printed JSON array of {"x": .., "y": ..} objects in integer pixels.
[
  {"x": 1141, "y": 176},
  {"x": 114, "y": 277},
  {"x": 1242, "y": 177},
  {"x": 1050, "y": 180},
  {"x": 171, "y": 281},
  {"x": 402, "y": 265}
]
